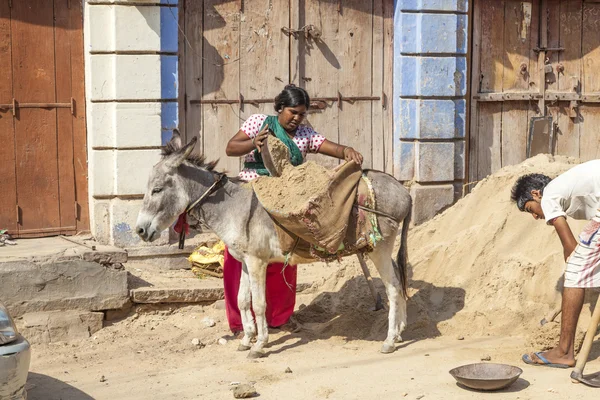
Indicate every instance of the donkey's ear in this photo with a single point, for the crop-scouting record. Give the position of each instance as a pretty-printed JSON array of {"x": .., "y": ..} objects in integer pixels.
[
  {"x": 175, "y": 143},
  {"x": 182, "y": 154}
]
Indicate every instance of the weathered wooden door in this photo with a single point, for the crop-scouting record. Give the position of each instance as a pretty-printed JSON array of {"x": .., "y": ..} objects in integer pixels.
[
  {"x": 42, "y": 127},
  {"x": 535, "y": 82},
  {"x": 239, "y": 54}
]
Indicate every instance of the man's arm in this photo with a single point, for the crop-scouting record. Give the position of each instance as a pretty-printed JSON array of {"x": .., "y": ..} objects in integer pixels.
[{"x": 565, "y": 234}]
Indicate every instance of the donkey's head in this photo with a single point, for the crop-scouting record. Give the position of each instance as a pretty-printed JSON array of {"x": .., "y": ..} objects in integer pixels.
[{"x": 167, "y": 194}]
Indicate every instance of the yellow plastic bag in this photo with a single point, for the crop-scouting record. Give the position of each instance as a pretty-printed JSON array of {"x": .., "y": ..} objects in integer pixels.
[{"x": 208, "y": 260}]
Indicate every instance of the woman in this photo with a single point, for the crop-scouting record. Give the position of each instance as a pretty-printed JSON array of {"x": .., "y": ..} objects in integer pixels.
[{"x": 291, "y": 106}]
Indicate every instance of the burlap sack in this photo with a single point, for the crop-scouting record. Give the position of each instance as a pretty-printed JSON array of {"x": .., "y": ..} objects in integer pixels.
[{"x": 323, "y": 222}]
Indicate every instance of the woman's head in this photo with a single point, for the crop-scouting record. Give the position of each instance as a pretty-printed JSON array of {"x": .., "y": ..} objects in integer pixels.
[{"x": 291, "y": 106}]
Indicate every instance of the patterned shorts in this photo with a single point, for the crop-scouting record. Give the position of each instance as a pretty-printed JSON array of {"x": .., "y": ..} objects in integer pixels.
[{"x": 583, "y": 267}]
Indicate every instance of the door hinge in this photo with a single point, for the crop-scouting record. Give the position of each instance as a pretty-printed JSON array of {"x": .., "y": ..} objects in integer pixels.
[
  {"x": 9, "y": 3},
  {"x": 18, "y": 215}
]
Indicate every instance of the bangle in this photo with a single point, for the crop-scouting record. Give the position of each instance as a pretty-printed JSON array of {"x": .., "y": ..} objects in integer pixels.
[
  {"x": 253, "y": 144},
  {"x": 344, "y": 151}
]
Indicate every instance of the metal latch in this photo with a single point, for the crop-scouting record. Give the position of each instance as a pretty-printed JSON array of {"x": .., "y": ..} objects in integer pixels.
[
  {"x": 310, "y": 31},
  {"x": 573, "y": 108}
]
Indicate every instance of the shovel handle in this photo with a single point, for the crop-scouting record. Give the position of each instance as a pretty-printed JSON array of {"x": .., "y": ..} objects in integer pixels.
[{"x": 589, "y": 339}]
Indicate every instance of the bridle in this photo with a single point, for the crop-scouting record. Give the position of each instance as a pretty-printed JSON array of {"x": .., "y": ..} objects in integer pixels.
[{"x": 221, "y": 178}]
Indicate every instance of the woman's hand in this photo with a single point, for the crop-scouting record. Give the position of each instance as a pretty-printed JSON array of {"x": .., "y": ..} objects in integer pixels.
[
  {"x": 259, "y": 139},
  {"x": 352, "y": 155}
]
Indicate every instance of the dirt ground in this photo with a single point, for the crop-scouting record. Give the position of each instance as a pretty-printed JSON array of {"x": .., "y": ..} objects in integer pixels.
[
  {"x": 482, "y": 275},
  {"x": 152, "y": 355}
]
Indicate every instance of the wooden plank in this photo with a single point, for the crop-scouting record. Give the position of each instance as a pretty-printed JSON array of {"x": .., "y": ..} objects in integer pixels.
[
  {"x": 536, "y": 83},
  {"x": 316, "y": 66},
  {"x": 571, "y": 15},
  {"x": 489, "y": 149},
  {"x": 260, "y": 36},
  {"x": 569, "y": 31},
  {"x": 388, "y": 75},
  {"x": 514, "y": 132},
  {"x": 64, "y": 123},
  {"x": 591, "y": 48},
  {"x": 589, "y": 138},
  {"x": 35, "y": 129},
  {"x": 8, "y": 179},
  {"x": 356, "y": 39},
  {"x": 589, "y": 141},
  {"x": 473, "y": 132},
  {"x": 221, "y": 71},
  {"x": 553, "y": 42},
  {"x": 516, "y": 45},
  {"x": 378, "y": 148},
  {"x": 80, "y": 164},
  {"x": 492, "y": 37},
  {"x": 193, "y": 47}
]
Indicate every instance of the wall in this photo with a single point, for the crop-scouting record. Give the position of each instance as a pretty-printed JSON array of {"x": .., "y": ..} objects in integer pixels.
[
  {"x": 131, "y": 91},
  {"x": 430, "y": 75}
]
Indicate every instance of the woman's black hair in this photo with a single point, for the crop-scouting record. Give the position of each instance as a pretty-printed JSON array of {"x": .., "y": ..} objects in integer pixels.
[
  {"x": 291, "y": 96},
  {"x": 521, "y": 191}
]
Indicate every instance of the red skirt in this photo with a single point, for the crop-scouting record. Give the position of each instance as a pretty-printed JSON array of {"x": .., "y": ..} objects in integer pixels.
[{"x": 280, "y": 297}]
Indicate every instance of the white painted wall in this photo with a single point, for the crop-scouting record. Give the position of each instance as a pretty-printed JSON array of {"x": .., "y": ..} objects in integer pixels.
[{"x": 124, "y": 131}]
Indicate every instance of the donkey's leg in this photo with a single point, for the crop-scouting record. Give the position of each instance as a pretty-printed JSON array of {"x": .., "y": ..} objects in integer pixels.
[
  {"x": 402, "y": 314},
  {"x": 244, "y": 299},
  {"x": 381, "y": 258},
  {"x": 257, "y": 270}
]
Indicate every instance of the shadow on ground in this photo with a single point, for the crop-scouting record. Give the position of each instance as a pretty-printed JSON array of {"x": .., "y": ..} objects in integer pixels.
[
  {"x": 44, "y": 387},
  {"x": 349, "y": 313}
]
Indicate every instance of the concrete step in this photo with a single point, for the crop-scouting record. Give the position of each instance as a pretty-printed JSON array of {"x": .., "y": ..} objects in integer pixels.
[
  {"x": 53, "y": 273},
  {"x": 150, "y": 284}
]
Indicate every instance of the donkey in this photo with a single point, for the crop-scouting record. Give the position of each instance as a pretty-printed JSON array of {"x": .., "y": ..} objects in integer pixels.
[{"x": 232, "y": 211}]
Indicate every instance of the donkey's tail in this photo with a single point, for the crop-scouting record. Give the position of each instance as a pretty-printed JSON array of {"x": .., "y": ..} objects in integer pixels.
[{"x": 402, "y": 256}]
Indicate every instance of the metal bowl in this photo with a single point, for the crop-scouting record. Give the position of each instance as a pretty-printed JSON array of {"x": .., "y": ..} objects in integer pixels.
[{"x": 486, "y": 376}]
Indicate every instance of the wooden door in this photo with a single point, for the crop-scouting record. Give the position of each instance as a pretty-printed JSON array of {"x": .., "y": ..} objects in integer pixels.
[
  {"x": 534, "y": 59},
  {"x": 238, "y": 55},
  {"x": 42, "y": 125}
]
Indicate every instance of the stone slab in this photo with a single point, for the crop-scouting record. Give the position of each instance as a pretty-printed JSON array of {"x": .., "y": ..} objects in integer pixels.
[
  {"x": 429, "y": 200},
  {"x": 55, "y": 249},
  {"x": 26, "y": 286},
  {"x": 150, "y": 284},
  {"x": 59, "y": 326}
]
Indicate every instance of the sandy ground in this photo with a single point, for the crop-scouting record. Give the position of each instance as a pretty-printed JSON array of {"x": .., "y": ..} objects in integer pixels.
[
  {"x": 150, "y": 355},
  {"x": 482, "y": 276}
]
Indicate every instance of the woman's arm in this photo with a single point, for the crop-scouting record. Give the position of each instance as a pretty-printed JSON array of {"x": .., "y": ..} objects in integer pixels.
[
  {"x": 240, "y": 144},
  {"x": 342, "y": 152}
]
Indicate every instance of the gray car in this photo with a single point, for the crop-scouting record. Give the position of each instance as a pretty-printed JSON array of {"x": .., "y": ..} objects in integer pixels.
[{"x": 15, "y": 354}]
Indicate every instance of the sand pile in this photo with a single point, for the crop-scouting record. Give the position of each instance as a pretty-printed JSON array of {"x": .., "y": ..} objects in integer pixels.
[
  {"x": 480, "y": 268},
  {"x": 484, "y": 267}
]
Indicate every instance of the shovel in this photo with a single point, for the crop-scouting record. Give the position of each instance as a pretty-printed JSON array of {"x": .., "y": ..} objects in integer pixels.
[{"x": 577, "y": 376}]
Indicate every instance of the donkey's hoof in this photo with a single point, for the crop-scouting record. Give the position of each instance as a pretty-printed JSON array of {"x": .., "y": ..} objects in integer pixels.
[
  {"x": 388, "y": 348},
  {"x": 253, "y": 355},
  {"x": 241, "y": 347}
]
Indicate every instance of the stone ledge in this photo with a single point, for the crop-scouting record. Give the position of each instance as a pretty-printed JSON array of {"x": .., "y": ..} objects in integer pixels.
[
  {"x": 27, "y": 287},
  {"x": 186, "y": 295}
]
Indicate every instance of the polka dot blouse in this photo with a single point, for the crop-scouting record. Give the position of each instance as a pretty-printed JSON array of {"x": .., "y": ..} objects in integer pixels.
[{"x": 307, "y": 140}]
